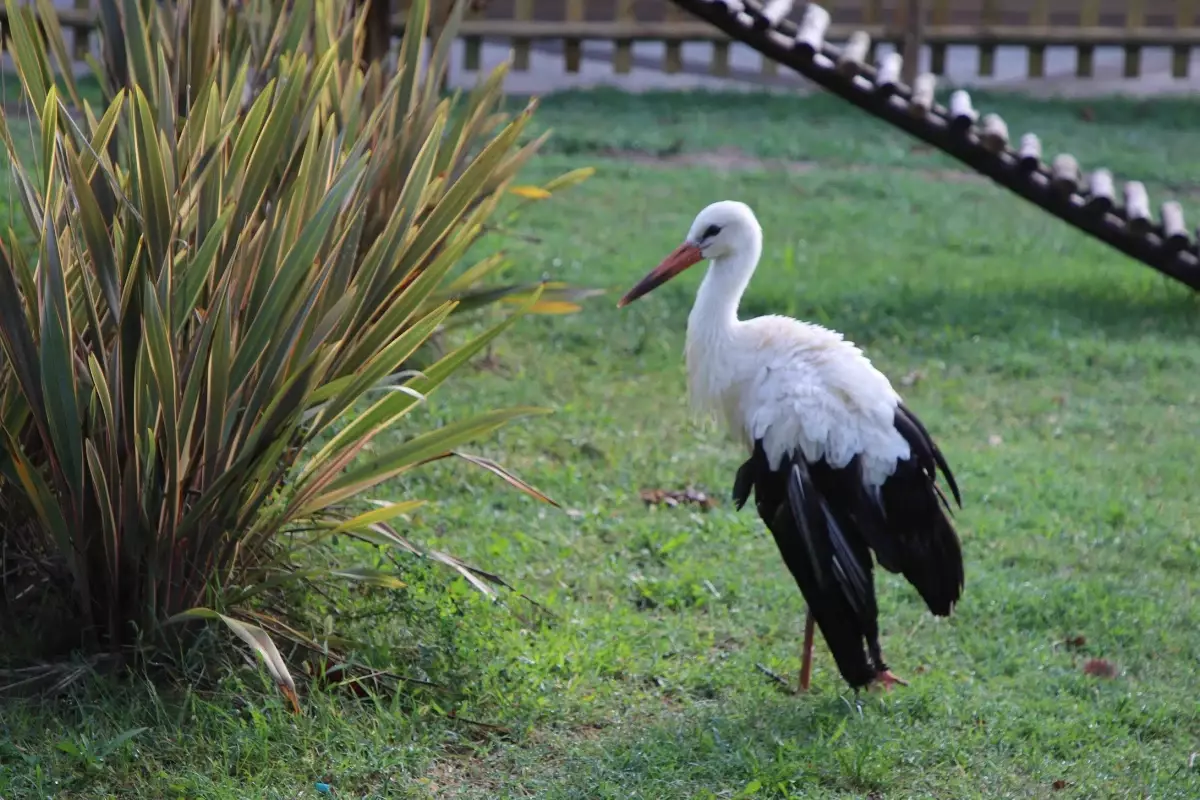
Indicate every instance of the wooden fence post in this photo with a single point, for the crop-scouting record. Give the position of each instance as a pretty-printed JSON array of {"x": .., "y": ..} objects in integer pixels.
[{"x": 914, "y": 38}]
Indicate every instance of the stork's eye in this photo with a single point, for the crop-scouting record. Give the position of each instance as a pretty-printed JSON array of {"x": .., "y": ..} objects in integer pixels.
[{"x": 711, "y": 231}]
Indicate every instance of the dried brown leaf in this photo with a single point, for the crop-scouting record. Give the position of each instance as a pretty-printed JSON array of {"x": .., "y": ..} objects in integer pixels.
[
  {"x": 672, "y": 498},
  {"x": 1100, "y": 668}
]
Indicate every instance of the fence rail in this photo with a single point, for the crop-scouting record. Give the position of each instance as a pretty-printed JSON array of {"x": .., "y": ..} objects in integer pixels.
[{"x": 984, "y": 24}]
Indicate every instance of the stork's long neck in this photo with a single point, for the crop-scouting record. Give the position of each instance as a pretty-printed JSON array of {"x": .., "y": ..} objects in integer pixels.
[
  {"x": 711, "y": 333},
  {"x": 715, "y": 312}
]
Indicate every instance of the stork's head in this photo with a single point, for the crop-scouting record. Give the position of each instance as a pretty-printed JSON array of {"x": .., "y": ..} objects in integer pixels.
[{"x": 725, "y": 228}]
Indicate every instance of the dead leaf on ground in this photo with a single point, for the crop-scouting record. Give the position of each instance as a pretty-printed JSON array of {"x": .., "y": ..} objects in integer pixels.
[
  {"x": 672, "y": 498},
  {"x": 1075, "y": 642},
  {"x": 1060, "y": 784},
  {"x": 1100, "y": 668}
]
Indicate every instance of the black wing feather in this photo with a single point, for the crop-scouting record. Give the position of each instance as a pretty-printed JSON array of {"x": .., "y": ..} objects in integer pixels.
[
  {"x": 826, "y": 543},
  {"x": 837, "y": 587},
  {"x": 828, "y": 523}
]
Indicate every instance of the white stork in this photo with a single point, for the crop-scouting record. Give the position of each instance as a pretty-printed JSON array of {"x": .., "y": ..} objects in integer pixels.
[{"x": 839, "y": 467}]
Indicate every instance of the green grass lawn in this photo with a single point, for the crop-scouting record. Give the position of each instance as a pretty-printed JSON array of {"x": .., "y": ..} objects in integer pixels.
[{"x": 1061, "y": 379}]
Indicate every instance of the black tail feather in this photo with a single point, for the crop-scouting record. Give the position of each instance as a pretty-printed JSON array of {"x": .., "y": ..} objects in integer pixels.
[
  {"x": 931, "y": 553},
  {"x": 921, "y": 442}
]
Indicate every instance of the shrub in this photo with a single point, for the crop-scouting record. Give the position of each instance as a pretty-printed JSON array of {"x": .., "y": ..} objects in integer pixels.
[{"x": 234, "y": 261}]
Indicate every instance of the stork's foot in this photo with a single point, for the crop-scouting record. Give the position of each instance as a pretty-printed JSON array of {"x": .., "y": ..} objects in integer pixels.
[{"x": 885, "y": 679}]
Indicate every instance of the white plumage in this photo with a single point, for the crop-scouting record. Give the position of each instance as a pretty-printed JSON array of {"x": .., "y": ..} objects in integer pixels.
[
  {"x": 792, "y": 384},
  {"x": 845, "y": 468},
  {"x": 797, "y": 385}
]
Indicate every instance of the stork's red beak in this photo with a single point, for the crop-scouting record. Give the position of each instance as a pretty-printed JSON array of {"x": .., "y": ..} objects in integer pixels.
[{"x": 680, "y": 259}]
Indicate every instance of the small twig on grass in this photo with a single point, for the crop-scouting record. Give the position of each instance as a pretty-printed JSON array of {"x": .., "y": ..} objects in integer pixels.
[
  {"x": 22, "y": 678},
  {"x": 775, "y": 676},
  {"x": 487, "y": 726}
]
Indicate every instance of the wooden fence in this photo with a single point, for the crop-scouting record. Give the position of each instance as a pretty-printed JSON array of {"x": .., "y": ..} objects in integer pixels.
[
  {"x": 1035, "y": 25},
  {"x": 985, "y": 24}
]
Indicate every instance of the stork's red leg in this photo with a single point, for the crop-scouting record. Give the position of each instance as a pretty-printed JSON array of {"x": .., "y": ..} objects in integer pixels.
[{"x": 806, "y": 659}]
